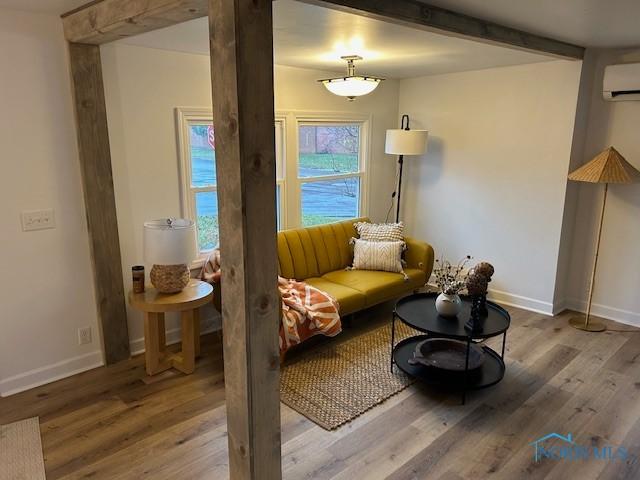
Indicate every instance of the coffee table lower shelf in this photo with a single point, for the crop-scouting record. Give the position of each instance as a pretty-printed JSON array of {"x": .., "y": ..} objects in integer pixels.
[{"x": 488, "y": 374}]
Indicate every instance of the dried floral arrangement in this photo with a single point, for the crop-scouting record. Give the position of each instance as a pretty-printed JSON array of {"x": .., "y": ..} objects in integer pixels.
[{"x": 451, "y": 279}]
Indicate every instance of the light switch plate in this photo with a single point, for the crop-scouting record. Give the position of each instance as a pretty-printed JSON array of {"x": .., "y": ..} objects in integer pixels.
[{"x": 38, "y": 220}]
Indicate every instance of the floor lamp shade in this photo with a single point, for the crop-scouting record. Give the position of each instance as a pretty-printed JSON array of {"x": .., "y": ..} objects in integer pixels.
[
  {"x": 406, "y": 142},
  {"x": 170, "y": 246},
  {"x": 606, "y": 167}
]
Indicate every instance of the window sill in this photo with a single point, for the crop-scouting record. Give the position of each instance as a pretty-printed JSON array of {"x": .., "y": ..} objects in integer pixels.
[{"x": 197, "y": 264}]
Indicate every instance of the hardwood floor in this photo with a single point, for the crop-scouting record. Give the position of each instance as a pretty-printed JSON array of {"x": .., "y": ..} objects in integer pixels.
[{"x": 117, "y": 423}]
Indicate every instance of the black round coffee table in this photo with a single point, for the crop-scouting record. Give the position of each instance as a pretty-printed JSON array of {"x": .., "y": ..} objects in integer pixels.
[{"x": 419, "y": 312}]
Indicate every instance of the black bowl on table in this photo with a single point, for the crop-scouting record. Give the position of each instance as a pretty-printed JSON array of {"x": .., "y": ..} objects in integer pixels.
[{"x": 447, "y": 354}]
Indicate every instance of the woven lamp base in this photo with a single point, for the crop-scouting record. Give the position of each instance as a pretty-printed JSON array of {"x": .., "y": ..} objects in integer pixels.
[{"x": 170, "y": 278}]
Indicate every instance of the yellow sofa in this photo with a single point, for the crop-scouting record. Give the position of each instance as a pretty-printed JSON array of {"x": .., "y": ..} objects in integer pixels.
[{"x": 320, "y": 254}]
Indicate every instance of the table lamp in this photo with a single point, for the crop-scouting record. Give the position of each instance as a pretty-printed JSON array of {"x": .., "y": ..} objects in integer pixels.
[
  {"x": 606, "y": 167},
  {"x": 170, "y": 246},
  {"x": 401, "y": 142}
]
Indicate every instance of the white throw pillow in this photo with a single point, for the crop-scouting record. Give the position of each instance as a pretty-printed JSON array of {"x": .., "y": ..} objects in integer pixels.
[
  {"x": 385, "y": 256},
  {"x": 380, "y": 232}
]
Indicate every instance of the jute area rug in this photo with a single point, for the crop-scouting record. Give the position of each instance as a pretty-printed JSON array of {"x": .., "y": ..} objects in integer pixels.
[
  {"x": 334, "y": 384},
  {"x": 21, "y": 451}
]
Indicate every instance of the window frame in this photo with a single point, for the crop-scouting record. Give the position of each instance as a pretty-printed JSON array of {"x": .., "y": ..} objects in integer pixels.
[
  {"x": 282, "y": 181},
  {"x": 296, "y": 182},
  {"x": 290, "y": 183},
  {"x": 185, "y": 118}
]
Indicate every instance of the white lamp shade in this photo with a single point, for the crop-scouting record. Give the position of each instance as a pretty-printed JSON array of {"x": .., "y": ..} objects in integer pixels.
[
  {"x": 170, "y": 241},
  {"x": 351, "y": 86},
  {"x": 406, "y": 142}
]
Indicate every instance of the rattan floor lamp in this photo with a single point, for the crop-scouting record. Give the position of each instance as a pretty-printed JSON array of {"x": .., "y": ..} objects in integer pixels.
[{"x": 607, "y": 167}]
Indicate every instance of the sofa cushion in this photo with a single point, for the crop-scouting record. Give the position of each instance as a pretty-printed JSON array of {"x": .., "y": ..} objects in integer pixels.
[
  {"x": 350, "y": 300},
  {"x": 377, "y": 286},
  {"x": 384, "y": 256},
  {"x": 380, "y": 232}
]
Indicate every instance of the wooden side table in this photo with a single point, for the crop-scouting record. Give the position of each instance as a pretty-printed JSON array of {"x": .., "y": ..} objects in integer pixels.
[{"x": 155, "y": 305}]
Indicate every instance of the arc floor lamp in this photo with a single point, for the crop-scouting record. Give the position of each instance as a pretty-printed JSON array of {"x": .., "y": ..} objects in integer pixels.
[
  {"x": 401, "y": 142},
  {"x": 607, "y": 167}
]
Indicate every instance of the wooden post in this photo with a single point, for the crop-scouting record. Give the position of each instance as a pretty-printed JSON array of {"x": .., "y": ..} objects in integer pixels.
[
  {"x": 241, "y": 39},
  {"x": 100, "y": 206}
]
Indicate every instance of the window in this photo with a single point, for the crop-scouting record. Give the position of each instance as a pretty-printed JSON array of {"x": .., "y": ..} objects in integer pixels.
[
  {"x": 329, "y": 171},
  {"x": 196, "y": 137},
  {"x": 280, "y": 171},
  {"x": 319, "y": 179},
  {"x": 199, "y": 183}
]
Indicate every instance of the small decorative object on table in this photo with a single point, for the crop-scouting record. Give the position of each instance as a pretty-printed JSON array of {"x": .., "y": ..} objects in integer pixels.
[
  {"x": 137, "y": 273},
  {"x": 447, "y": 354},
  {"x": 450, "y": 280},
  {"x": 477, "y": 283}
]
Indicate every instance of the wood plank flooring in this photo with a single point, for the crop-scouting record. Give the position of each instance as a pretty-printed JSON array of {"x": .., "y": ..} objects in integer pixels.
[{"x": 117, "y": 423}]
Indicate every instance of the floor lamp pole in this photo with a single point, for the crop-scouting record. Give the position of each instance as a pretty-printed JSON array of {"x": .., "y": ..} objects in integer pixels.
[
  {"x": 578, "y": 322},
  {"x": 400, "y": 161}
]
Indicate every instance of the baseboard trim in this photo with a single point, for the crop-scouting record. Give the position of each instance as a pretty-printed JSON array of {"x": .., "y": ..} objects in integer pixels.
[
  {"x": 619, "y": 315},
  {"x": 520, "y": 301},
  {"x": 50, "y": 373},
  {"x": 73, "y": 366},
  {"x": 173, "y": 336}
]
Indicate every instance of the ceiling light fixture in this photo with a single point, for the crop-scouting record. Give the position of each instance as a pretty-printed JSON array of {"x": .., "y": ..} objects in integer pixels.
[{"x": 352, "y": 85}]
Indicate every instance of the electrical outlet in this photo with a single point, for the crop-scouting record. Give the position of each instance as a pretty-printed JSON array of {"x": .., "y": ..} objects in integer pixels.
[
  {"x": 38, "y": 220},
  {"x": 84, "y": 335}
]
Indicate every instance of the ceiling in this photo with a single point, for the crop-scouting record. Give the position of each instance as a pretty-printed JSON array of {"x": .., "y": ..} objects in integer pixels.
[
  {"x": 314, "y": 37},
  {"x": 593, "y": 23},
  {"x": 589, "y": 23}
]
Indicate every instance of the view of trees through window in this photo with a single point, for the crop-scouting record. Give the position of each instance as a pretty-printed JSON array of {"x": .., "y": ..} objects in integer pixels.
[
  {"x": 328, "y": 177},
  {"x": 329, "y": 151}
]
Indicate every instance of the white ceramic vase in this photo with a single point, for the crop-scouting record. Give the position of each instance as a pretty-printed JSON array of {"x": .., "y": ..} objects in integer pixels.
[{"x": 448, "y": 305}]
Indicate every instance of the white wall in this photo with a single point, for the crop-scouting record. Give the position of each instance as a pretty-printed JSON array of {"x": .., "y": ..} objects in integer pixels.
[
  {"x": 143, "y": 86},
  {"x": 609, "y": 123},
  {"x": 46, "y": 286},
  {"x": 493, "y": 181}
]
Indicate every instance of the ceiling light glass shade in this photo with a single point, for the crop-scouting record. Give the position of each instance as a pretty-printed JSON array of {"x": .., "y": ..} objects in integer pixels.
[
  {"x": 351, "y": 87},
  {"x": 406, "y": 142}
]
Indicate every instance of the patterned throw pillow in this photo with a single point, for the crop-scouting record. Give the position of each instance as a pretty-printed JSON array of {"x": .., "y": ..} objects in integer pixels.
[
  {"x": 380, "y": 232},
  {"x": 383, "y": 256}
]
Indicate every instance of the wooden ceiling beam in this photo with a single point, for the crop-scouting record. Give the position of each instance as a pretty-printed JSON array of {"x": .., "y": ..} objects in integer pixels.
[
  {"x": 414, "y": 13},
  {"x": 104, "y": 21},
  {"x": 108, "y": 20}
]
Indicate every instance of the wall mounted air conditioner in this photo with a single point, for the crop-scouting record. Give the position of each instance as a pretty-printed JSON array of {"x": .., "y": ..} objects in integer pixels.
[{"x": 621, "y": 82}]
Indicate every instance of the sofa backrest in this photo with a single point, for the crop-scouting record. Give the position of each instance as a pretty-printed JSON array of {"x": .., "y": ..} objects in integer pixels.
[{"x": 313, "y": 251}]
